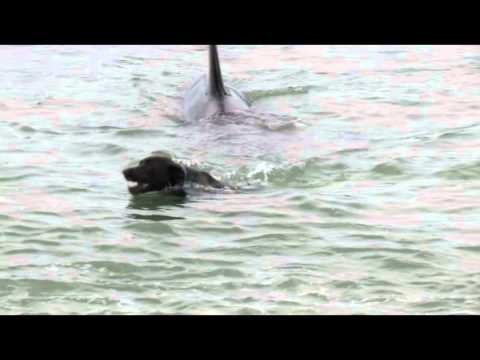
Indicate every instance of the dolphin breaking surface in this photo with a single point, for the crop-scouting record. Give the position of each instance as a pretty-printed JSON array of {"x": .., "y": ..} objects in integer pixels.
[{"x": 209, "y": 96}]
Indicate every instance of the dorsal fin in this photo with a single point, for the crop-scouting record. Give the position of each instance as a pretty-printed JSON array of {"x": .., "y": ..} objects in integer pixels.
[{"x": 215, "y": 81}]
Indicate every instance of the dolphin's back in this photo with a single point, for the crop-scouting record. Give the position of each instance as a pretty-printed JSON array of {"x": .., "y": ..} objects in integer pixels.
[
  {"x": 208, "y": 95},
  {"x": 196, "y": 99}
]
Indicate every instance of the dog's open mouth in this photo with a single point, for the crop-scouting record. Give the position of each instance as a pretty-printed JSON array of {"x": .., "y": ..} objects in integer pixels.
[
  {"x": 136, "y": 187},
  {"x": 139, "y": 181}
]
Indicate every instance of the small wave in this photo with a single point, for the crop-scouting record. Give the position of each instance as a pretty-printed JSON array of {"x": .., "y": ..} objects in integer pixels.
[
  {"x": 474, "y": 249},
  {"x": 22, "y": 252},
  {"x": 306, "y": 173},
  {"x": 112, "y": 266},
  {"x": 100, "y": 128},
  {"x": 37, "y": 287},
  {"x": 256, "y": 95},
  {"x": 206, "y": 261},
  {"x": 112, "y": 149},
  {"x": 139, "y": 132},
  {"x": 221, "y": 272},
  {"x": 16, "y": 178},
  {"x": 397, "y": 264},
  {"x": 42, "y": 242},
  {"x": 266, "y": 121},
  {"x": 387, "y": 169},
  {"x": 408, "y": 70},
  {"x": 469, "y": 171},
  {"x": 462, "y": 131},
  {"x": 151, "y": 228},
  {"x": 291, "y": 283}
]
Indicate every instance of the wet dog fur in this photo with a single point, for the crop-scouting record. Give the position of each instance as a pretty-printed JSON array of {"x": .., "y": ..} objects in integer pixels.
[{"x": 161, "y": 173}]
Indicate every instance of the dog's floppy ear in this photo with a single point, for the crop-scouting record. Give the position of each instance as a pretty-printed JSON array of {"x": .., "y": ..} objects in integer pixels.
[{"x": 176, "y": 175}]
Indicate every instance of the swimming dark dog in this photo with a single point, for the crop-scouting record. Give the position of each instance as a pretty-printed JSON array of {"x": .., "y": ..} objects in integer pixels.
[
  {"x": 160, "y": 173},
  {"x": 210, "y": 96}
]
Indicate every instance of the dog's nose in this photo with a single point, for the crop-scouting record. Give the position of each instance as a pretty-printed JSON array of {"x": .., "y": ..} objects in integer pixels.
[{"x": 127, "y": 172}]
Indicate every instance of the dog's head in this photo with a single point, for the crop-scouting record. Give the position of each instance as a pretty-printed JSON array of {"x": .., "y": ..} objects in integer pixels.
[{"x": 156, "y": 173}]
